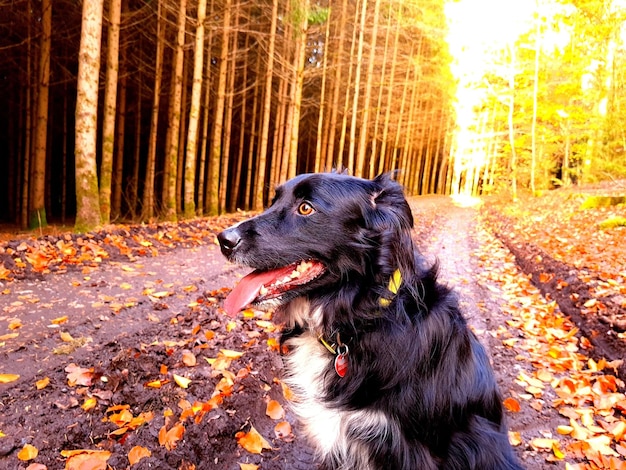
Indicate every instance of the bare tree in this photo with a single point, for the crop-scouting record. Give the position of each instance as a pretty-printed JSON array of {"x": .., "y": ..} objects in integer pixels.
[
  {"x": 87, "y": 200},
  {"x": 110, "y": 106},
  {"x": 194, "y": 114},
  {"x": 37, "y": 195}
]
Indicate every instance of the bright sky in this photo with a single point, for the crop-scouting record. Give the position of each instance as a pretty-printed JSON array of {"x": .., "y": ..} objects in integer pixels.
[{"x": 477, "y": 29}]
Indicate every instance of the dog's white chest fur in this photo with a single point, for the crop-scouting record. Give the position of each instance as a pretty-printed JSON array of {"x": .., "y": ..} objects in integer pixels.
[{"x": 335, "y": 432}]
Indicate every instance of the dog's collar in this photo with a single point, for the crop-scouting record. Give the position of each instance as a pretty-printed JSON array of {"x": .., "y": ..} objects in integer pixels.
[
  {"x": 334, "y": 344},
  {"x": 395, "y": 281}
]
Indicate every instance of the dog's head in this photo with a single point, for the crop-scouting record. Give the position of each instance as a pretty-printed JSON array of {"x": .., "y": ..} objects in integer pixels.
[{"x": 322, "y": 232}]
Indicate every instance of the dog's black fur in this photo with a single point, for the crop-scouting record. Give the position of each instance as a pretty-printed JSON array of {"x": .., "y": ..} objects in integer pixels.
[{"x": 419, "y": 392}]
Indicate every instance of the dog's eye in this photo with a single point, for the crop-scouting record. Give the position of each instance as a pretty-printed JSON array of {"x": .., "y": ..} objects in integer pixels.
[{"x": 305, "y": 209}]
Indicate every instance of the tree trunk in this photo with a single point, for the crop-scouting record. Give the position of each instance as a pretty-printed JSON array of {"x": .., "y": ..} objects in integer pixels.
[
  {"x": 334, "y": 108},
  {"x": 357, "y": 89},
  {"x": 147, "y": 206},
  {"x": 218, "y": 122},
  {"x": 510, "y": 122},
  {"x": 110, "y": 103},
  {"x": 87, "y": 200},
  {"x": 117, "y": 182},
  {"x": 267, "y": 110},
  {"x": 319, "y": 149},
  {"x": 171, "y": 157},
  {"x": 37, "y": 216},
  {"x": 228, "y": 114},
  {"x": 28, "y": 126},
  {"x": 389, "y": 105},
  {"x": 189, "y": 208}
]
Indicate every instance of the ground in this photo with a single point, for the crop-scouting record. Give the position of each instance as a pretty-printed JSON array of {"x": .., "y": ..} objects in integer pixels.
[{"x": 122, "y": 349}]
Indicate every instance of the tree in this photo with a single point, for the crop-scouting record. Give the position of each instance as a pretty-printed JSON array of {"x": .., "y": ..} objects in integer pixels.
[
  {"x": 267, "y": 109},
  {"x": 37, "y": 197},
  {"x": 174, "y": 118},
  {"x": 147, "y": 212},
  {"x": 194, "y": 115},
  {"x": 218, "y": 123},
  {"x": 110, "y": 106},
  {"x": 87, "y": 199}
]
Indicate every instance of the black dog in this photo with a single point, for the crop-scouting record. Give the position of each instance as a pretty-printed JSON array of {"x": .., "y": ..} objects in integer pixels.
[{"x": 385, "y": 371}]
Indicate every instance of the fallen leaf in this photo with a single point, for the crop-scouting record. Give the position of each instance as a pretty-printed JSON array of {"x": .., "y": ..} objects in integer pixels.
[
  {"x": 78, "y": 375},
  {"x": 252, "y": 441},
  {"x": 28, "y": 452},
  {"x": 189, "y": 359},
  {"x": 230, "y": 354},
  {"x": 182, "y": 382},
  {"x": 247, "y": 466},
  {"x": 36, "y": 466},
  {"x": 137, "y": 453},
  {"x": 512, "y": 405},
  {"x": 283, "y": 431},
  {"x": 59, "y": 320},
  {"x": 66, "y": 337},
  {"x": 169, "y": 439},
  {"x": 89, "y": 403},
  {"x": 274, "y": 410},
  {"x": 43, "y": 383},
  {"x": 85, "y": 459},
  {"x": 6, "y": 378}
]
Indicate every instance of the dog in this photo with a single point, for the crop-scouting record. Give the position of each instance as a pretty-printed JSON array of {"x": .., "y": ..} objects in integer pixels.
[{"x": 384, "y": 370}]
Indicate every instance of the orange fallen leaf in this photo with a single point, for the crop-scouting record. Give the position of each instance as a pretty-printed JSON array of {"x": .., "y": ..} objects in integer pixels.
[
  {"x": 7, "y": 378},
  {"x": 169, "y": 439},
  {"x": 78, "y": 375},
  {"x": 85, "y": 459},
  {"x": 287, "y": 393},
  {"x": 28, "y": 452},
  {"x": 189, "y": 359},
  {"x": 59, "y": 320},
  {"x": 283, "y": 431},
  {"x": 512, "y": 405},
  {"x": 9, "y": 336},
  {"x": 137, "y": 453},
  {"x": 14, "y": 324},
  {"x": 252, "y": 441},
  {"x": 274, "y": 410}
]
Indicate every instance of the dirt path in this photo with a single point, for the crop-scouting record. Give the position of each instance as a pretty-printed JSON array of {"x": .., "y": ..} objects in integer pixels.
[{"x": 132, "y": 323}]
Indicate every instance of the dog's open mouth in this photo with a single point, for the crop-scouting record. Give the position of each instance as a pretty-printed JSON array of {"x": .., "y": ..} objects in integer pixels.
[{"x": 267, "y": 287}]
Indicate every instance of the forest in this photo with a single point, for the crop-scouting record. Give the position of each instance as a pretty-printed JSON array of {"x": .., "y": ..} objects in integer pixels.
[{"x": 137, "y": 110}]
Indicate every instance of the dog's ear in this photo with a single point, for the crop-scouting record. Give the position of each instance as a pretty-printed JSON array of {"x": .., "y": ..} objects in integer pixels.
[
  {"x": 388, "y": 222},
  {"x": 389, "y": 203}
]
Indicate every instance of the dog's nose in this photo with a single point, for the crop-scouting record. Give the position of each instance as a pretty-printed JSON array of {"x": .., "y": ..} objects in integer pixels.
[{"x": 229, "y": 239}]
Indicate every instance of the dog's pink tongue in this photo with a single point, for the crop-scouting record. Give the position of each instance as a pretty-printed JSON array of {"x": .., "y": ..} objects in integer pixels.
[{"x": 248, "y": 288}]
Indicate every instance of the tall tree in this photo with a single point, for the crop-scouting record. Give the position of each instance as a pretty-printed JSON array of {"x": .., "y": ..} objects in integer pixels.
[
  {"x": 174, "y": 118},
  {"x": 37, "y": 197},
  {"x": 364, "y": 132},
  {"x": 267, "y": 109},
  {"x": 110, "y": 106},
  {"x": 218, "y": 122},
  {"x": 300, "y": 30},
  {"x": 147, "y": 209},
  {"x": 194, "y": 115},
  {"x": 87, "y": 200}
]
